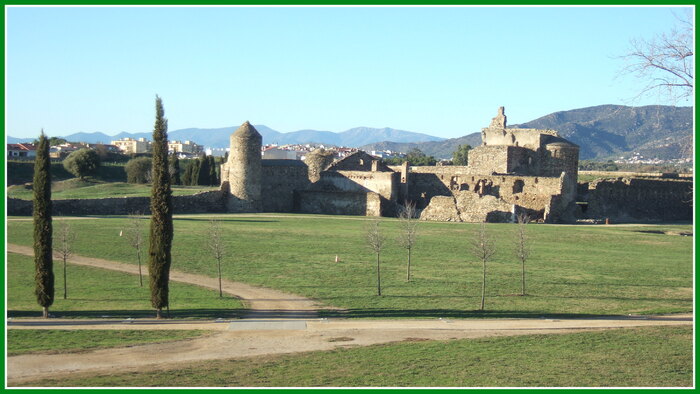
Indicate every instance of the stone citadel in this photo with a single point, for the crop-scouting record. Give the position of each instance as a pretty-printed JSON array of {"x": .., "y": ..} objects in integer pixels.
[{"x": 514, "y": 171}]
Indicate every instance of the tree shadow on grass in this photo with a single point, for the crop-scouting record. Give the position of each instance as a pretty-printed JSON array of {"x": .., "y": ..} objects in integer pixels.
[
  {"x": 381, "y": 313},
  {"x": 227, "y": 220},
  {"x": 134, "y": 313}
]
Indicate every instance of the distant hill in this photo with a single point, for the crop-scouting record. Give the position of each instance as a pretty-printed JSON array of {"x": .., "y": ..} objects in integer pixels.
[
  {"x": 602, "y": 132},
  {"x": 615, "y": 130},
  {"x": 439, "y": 149},
  {"x": 13, "y": 140},
  {"x": 219, "y": 138}
]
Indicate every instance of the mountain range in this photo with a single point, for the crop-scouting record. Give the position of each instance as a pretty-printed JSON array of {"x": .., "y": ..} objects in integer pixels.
[
  {"x": 602, "y": 132},
  {"x": 219, "y": 138}
]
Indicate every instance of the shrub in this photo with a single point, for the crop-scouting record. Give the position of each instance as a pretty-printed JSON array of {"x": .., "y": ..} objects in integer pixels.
[
  {"x": 138, "y": 170},
  {"x": 82, "y": 162}
]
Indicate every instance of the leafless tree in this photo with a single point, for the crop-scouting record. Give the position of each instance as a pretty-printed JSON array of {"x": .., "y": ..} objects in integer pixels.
[
  {"x": 136, "y": 239},
  {"x": 375, "y": 241},
  {"x": 407, "y": 238},
  {"x": 66, "y": 238},
  {"x": 665, "y": 61},
  {"x": 483, "y": 248},
  {"x": 216, "y": 246},
  {"x": 522, "y": 245}
]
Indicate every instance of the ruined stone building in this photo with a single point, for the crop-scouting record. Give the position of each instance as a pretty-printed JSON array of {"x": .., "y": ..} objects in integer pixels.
[{"x": 515, "y": 170}]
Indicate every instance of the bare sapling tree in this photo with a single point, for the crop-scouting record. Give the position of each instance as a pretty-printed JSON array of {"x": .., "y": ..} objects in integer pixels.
[
  {"x": 66, "y": 238},
  {"x": 375, "y": 240},
  {"x": 136, "y": 239},
  {"x": 408, "y": 222},
  {"x": 216, "y": 246},
  {"x": 666, "y": 61},
  {"x": 483, "y": 248},
  {"x": 522, "y": 246}
]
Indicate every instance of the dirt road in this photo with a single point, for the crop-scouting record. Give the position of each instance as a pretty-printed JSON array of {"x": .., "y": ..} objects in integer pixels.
[{"x": 261, "y": 302}]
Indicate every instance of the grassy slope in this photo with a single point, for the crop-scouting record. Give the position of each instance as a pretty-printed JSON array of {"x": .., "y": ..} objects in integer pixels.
[
  {"x": 643, "y": 357},
  {"x": 90, "y": 188},
  {"x": 94, "y": 292},
  {"x": 572, "y": 269},
  {"x": 63, "y": 341}
]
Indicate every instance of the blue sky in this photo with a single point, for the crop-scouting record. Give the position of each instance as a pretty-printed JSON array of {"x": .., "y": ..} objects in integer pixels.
[{"x": 441, "y": 71}]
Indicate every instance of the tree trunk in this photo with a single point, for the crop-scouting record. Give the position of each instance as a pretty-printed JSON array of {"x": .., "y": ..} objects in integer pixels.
[
  {"x": 408, "y": 267},
  {"x": 523, "y": 279},
  {"x": 138, "y": 256},
  {"x": 379, "y": 278},
  {"x": 220, "y": 292},
  {"x": 159, "y": 313},
  {"x": 483, "y": 285},
  {"x": 45, "y": 313},
  {"x": 65, "y": 281}
]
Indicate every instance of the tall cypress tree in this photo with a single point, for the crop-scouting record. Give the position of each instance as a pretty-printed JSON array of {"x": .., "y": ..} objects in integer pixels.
[
  {"x": 213, "y": 178},
  {"x": 203, "y": 178},
  {"x": 187, "y": 175},
  {"x": 174, "y": 169},
  {"x": 161, "y": 238},
  {"x": 43, "y": 259},
  {"x": 194, "y": 179}
]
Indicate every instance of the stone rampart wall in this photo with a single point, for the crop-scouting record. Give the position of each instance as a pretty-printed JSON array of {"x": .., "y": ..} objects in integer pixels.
[
  {"x": 639, "y": 199},
  {"x": 205, "y": 202},
  {"x": 279, "y": 185},
  {"x": 340, "y": 203},
  {"x": 383, "y": 183}
]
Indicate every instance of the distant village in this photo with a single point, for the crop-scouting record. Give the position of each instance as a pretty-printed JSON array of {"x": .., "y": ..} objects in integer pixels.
[{"x": 184, "y": 150}]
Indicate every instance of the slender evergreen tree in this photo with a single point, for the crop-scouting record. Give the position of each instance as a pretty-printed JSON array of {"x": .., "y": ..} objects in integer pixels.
[
  {"x": 43, "y": 259},
  {"x": 204, "y": 173},
  {"x": 187, "y": 175},
  {"x": 174, "y": 169},
  {"x": 194, "y": 179},
  {"x": 161, "y": 238},
  {"x": 213, "y": 178}
]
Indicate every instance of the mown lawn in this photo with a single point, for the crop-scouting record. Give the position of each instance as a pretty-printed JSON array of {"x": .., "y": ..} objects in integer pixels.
[
  {"x": 640, "y": 357},
  {"x": 92, "y": 188},
  {"x": 97, "y": 293},
  {"x": 67, "y": 341},
  {"x": 573, "y": 270}
]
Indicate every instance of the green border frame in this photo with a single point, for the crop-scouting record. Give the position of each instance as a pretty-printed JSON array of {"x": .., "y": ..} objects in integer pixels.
[{"x": 323, "y": 3}]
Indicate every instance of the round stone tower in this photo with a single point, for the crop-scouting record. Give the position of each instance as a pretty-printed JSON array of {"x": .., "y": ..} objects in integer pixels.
[
  {"x": 317, "y": 161},
  {"x": 244, "y": 167}
]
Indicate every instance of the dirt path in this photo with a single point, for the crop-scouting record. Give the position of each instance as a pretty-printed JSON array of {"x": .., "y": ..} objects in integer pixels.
[
  {"x": 317, "y": 335},
  {"x": 278, "y": 323},
  {"x": 262, "y": 303}
]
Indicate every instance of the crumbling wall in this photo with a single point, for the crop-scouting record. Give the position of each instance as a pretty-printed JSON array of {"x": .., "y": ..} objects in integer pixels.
[
  {"x": 548, "y": 198},
  {"x": 639, "y": 199},
  {"x": 468, "y": 207},
  {"x": 359, "y": 161},
  {"x": 339, "y": 203},
  {"x": 281, "y": 178},
  {"x": 489, "y": 159},
  {"x": 383, "y": 183}
]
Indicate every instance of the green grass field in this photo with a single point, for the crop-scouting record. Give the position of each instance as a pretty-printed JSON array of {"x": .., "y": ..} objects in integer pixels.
[
  {"x": 642, "y": 357},
  {"x": 573, "y": 270},
  {"x": 92, "y": 188},
  {"x": 68, "y": 341},
  {"x": 95, "y": 293}
]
